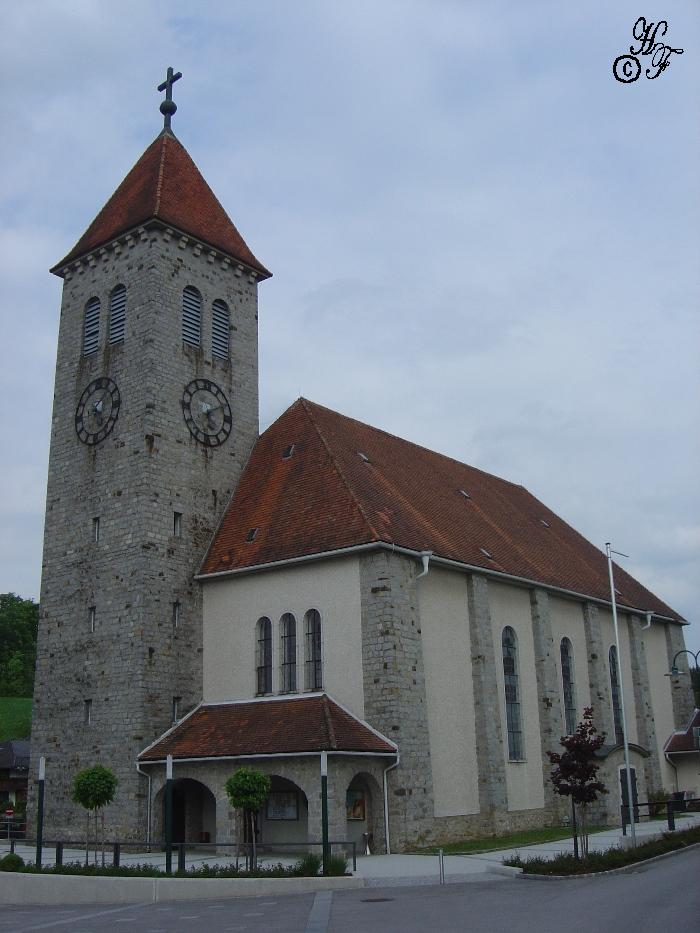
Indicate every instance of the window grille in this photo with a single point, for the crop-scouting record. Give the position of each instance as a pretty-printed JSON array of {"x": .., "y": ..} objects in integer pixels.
[
  {"x": 314, "y": 674},
  {"x": 117, "y": 314},
  {"x": 191, "y": 317},
  {"x": 512, "y": 692},
  {"x": 91, "y": 329},
  {"x": 288, "y": 628},
  {"x": 220, "y": 325},
  {"x": 615, "y": 694},
  {"x": 567, "y": 677},
  {"x": 264, "y": 656}
]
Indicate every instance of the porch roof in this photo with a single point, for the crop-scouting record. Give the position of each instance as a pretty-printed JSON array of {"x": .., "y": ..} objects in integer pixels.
[
  {"x": 268, "y": 726},
  {"x": 684, "y": 740}
]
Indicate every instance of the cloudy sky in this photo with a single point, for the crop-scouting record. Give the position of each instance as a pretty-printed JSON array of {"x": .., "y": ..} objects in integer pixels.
[{"x": 480, "y": 240}]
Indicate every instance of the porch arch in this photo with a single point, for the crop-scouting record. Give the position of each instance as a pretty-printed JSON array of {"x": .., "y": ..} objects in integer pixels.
[
  {"x": 364, "y": 811},
  {"x": 194, "y": 812}
]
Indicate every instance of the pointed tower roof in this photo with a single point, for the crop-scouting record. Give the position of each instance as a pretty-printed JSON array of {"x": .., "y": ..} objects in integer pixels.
[{"x": 166, "y": 185}]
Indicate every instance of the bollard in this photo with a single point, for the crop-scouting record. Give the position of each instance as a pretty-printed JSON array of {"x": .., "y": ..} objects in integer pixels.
[
  {"x": 670, "y": 815},
  {"x": 116, "y": 855},
  {"x": 181, "y": 857},
  {"x": 59, "y": 854},
  {"x": 441, "y": 863},
  {"x": 354, "y": 856}
]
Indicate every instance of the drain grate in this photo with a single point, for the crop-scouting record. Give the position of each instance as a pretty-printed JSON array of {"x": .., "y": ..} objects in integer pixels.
[{"x": 376, "y": 900}]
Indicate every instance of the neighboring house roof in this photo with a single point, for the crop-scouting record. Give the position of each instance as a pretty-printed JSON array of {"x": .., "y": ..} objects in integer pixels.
[
  {"x": 14, "y": 755},
  {"x": 166, "y": 185},
  {"x": 684, "y": 740},
  {"x": 347, "y": 484},
  {"x": 285, "y": 725}
]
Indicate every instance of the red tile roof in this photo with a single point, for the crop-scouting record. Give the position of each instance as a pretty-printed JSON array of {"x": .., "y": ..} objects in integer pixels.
[
  {"x": 287, "y": 725},
  {"x": 326, "y": 497},
  {"x": 684, "y": 741},
  {"x": 165, "y": 184}
]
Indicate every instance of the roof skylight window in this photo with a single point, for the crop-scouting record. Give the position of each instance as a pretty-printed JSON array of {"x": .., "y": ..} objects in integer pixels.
[
  {"x": 485, "y": 553},
  {"x": 545, "y": 523},
  {"x": 287, "y": 452},
  {"x": 363, "y": 456},
  {"x": 251, "y": 535},
  {"x": 463, "y": 492}
]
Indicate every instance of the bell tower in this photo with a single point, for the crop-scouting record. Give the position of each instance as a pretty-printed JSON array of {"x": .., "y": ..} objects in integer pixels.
[{"x": 155, "y": 414}]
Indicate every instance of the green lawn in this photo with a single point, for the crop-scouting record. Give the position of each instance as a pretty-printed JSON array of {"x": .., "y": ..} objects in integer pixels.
[
  {"x": 15, "y": 718},
  {"x": 512, "y": 841}
]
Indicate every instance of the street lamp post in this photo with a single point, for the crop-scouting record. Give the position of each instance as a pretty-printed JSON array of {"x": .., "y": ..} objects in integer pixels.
[
  {"x": 674, "y": 672},
  {"x": 625, "y": 743}
]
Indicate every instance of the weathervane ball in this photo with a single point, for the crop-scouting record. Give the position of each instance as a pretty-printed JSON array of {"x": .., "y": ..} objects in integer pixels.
[{"x": 168, "y": 107}]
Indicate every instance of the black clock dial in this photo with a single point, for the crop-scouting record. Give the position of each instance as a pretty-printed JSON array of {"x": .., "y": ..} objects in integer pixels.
[
  {"x": 207, "y": 412},
  {"x": 97, "y": 411}
]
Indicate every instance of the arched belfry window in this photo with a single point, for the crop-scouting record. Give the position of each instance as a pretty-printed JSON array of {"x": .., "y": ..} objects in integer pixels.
[
  {"x": 91, "y": 326},
  {"x": 117, "y": 314},
  {"x": 191, "y": 317},
  {"x": 220, "y": 327},
  {"x": 314, "y": 673},
  {"x": 615, "y": 693},
  {"x": 288, "y": 653},
  {"x": 567, "y": 679},
  {"x": 264, "y": 656},
  {"x": 512, "y": 691}
]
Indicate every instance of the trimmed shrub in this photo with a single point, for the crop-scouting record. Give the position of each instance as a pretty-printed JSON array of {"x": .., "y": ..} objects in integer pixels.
[{"x": 11, "y": 862}]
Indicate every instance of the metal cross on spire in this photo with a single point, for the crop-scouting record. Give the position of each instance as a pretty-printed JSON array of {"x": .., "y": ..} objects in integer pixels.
[{"x": 168, "y": 106}]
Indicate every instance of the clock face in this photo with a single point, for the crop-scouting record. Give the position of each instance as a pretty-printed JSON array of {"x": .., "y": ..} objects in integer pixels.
[
  {"x": 207, "y": 412},
  {"x": 97, "y": 410}
]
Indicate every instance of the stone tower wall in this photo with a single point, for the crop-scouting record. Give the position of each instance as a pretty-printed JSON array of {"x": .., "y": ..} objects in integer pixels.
[{"x": 135, "y": 662}]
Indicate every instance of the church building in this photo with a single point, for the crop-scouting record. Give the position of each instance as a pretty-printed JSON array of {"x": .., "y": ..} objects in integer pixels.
[{"x": 233, "y": 598}]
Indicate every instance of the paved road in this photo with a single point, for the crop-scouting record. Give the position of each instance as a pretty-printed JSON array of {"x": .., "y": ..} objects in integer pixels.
[{"x": 663, "y": 896}]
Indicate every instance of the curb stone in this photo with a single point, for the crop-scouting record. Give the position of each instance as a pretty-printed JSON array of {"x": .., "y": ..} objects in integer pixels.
[{"x": 611, "y": 871}]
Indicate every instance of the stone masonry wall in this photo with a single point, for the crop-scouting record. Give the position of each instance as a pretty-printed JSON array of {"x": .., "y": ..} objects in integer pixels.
[
  {"x": 394, "y": 687},
  {"x": 135, "y": 662}
]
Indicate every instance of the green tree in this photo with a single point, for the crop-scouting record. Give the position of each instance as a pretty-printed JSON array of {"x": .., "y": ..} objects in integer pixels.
[
  {"x": 575, "y": 771},
  {"x": 94, "y": 789},
  {"x": 247, "y": 791},
  {"x": 19, "y": 619}
]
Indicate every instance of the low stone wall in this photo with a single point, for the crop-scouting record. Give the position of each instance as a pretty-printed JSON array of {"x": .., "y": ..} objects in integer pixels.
[{"x": 25, "y": 889}]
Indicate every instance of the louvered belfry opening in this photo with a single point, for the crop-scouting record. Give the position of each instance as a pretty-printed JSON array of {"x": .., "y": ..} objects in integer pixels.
[
  {"x": 191, "y": 317},
  {"x": 117, "y": 314},
  {"x": 220, "y": 327},
  {"x": 91, "y": 329}
]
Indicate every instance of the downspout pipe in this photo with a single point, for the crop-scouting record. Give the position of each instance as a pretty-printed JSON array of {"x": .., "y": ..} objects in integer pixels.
[
  {"x": 386, "y": 800},
  {"x": 649, "y": 614},
  {"x": 148, "y": 803},
  {"x": 425, "y": 558}
]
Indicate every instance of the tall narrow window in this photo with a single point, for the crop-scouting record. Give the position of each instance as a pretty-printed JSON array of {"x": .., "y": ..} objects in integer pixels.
[
  {"x": 177, "y": 524},
  {"x": 87, "y": 712},
  {"x": 96, "y": 529},
  {"x": 91, "y": 327},
  {"x": 615, "y": 693},
  {"x": 117, "y": 314},
  {"x": 191, "y": 317},
  {"x": 92, "y": 618},
  {"x": 176, "y": 616},
  {"x": 264, "y": 656},
  {"x": 314, "y": 673},
  {"x": 220, "y": 323},
  {"x": 176, "y": 708},
  {"x": 567, "y": 679},
  {"x": 512, "y": 691},
  {"x": 288, "y": 638}
]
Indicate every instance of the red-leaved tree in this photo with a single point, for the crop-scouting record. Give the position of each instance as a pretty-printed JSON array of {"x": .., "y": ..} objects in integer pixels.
[{"x": 575, "y": 772}]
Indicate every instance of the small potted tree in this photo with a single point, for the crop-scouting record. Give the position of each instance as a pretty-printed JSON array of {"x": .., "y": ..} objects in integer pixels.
[
  {"x": 247, "y": 791},
  {"x": 94, "y": 789}
]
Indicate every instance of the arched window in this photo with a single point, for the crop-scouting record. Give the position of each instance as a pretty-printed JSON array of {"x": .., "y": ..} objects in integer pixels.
[
  {"x": 264, "y": 656},
  {"x": 314, "y": 676},
  {"x": 510, "y": 679},
  {"x": 615, "y": 693},
  {"x": 567, "y": 679},
  {"x": 117, "y": 314},
  {"x": 220, "y": 324},
  {"x": 91, "y": 327},
  {"x": 191, "y": 317},
  {"x": 288, "y": 653}
]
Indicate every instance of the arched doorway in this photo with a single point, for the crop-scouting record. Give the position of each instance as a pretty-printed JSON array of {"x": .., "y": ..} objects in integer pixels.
[
  {"x": 285, "y": 814},
  {"x": 194, "y": 812},
  {"x": 363, "y": 808}
]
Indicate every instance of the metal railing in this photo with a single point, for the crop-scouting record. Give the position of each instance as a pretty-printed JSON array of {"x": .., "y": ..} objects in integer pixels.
[
  {"x": 678, "y": 803},
  {"x": 11, "y": 828},
  {"x": 189, "y": 852}
]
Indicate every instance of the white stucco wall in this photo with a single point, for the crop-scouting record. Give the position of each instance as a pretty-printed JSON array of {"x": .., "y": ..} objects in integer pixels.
[
  {"x": 450, "y": 699},
  {"x": 567, "y": 621},
  {"x": 233, "y": 605},
  {"x": 510, "y": 605},
  {"x": 659, "y": 687},
  {"x": 624, "y": 666}
]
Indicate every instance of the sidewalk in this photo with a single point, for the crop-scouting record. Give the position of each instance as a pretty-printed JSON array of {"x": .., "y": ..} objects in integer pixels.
[{"x": 381, "y": 870}]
